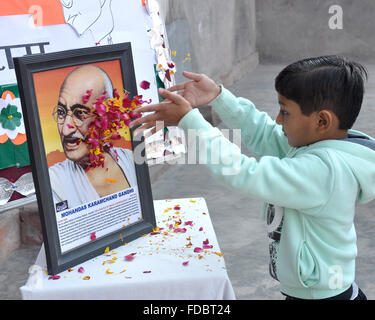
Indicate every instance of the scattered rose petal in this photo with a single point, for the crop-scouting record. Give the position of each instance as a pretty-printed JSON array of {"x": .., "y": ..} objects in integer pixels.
[
  {"x": 168, "y": 75},
  {"x": 146, "y": 271},
  {"x": 206, "y": 241},
  {"x": 185, "y": 263},
  {"x": 201, "y": 229},
  {"x": 86, "y": 96},
  {"x": 197, "y": 249},
  {"x": 145, "y": 85},
  {"x": 93, "y": 236},
  {"x": 206, "y": 246},
  {"x": 54, "y": 278},
  {"x": 189, "y": 223},
  {"x": 180, "y": 230},
  {"x": 81, "y": 270},
  {"x": 130, "y": 257}
]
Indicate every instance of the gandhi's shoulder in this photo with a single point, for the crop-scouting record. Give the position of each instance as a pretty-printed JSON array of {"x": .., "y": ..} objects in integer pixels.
[{"x": 60, "y": 167}]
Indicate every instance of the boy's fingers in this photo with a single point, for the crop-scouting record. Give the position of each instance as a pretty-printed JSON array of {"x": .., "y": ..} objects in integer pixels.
[
  {"x": 177, "y": 87},
  {"x": 176, "y": 98},
  {"x": 146, "y": 119},
  {"x": 192, "y": 76},
  {"x": 152, "y": 108}
]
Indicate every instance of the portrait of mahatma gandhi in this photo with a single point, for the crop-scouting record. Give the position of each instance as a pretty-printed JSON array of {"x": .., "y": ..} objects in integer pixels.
[{"x": 70, "y": 180}]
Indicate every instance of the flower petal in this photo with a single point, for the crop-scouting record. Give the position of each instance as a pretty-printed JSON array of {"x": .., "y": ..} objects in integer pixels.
[
  {"x": 145, "y": 85},
  {"x": 81, "y": 270}
]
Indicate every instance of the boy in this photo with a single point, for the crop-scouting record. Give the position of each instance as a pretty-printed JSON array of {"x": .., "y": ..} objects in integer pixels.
[{"x": 312, "y": 172}]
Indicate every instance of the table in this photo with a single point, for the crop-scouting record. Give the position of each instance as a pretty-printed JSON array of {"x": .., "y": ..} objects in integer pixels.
[{"x": 180, "y": 260}]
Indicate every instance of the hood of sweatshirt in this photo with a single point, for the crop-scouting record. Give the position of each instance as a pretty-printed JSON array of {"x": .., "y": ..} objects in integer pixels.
[{"x": 358, "y": 151}]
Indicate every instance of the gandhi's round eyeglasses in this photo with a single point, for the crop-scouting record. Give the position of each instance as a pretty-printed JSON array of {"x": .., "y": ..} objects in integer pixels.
[{"x": 79, "y": 115}]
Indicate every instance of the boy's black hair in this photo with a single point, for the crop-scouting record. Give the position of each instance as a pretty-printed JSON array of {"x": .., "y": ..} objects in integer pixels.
[{"x": 328, "y": 82}]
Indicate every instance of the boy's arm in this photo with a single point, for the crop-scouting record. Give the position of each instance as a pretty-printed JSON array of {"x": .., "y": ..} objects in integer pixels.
[
  {"x": 289, "y": 182},
  {"x": 258, "y": 131}
]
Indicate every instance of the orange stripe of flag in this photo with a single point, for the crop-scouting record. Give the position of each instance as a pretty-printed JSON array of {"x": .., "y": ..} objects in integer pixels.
[{"x": 46, "y": 12}]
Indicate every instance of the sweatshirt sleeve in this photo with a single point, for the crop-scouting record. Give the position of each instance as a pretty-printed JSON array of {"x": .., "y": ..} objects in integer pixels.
[
  {"x": 289, "y": 182},
  {"x": 262, "y": 135}
]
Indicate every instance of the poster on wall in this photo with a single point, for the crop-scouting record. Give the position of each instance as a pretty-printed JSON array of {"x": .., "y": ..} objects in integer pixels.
[
  {"x": 46, "y": 26},
  {"x": 93, "y": 188}
]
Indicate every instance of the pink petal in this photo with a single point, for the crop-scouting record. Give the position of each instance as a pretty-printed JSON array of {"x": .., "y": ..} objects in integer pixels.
[
  {"x": 54, "y": 277},
  {"x": 177, "y": 208},
  {"x": 168, "y": 75},
  {"x": 116, "y": 94},
  {"x": 146, "y": 271},
  {"x": 201, "y": 229},
  {"x": 189, "y": 223},
  {"x": 206, "y": 246},
  {"x": 86, "y": 96},
  {"x": 93, "y": 236},
  {"x": 185, "y": 263},
  {"x": 81, "y": 270},
  {"x": 116, "y": 136},
  {"x": 198, "y": 250},
  {"x": 130, "y": 257},
  {"x": 206, "y": 241},
  {"x": 145, "y": 85}
]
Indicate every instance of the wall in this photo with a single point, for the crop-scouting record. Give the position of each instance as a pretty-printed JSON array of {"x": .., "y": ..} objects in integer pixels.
[
  {"x": 288, "y": 30},
  {"x": 219, "y": 35}
]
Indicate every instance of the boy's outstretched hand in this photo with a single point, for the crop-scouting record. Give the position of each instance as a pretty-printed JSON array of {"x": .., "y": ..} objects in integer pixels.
[
  {"x": 199, "y": 91},
  {"x": 170, "y": 112}
]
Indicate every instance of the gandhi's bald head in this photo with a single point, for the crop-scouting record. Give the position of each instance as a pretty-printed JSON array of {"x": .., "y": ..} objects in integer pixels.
[
  {"x": 88, "y": 77},
  {"x": 78, "y": 117}
]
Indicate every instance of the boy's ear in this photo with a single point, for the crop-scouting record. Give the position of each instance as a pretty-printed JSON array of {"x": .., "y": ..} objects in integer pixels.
[{"x": 324, "y": 120}]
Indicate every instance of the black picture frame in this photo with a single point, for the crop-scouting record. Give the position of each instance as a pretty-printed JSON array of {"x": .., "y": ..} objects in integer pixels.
[{"x": 25, "y": 67}]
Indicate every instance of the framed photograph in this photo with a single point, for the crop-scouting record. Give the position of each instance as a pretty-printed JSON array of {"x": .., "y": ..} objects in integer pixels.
[{"x": 93, "y": 189}]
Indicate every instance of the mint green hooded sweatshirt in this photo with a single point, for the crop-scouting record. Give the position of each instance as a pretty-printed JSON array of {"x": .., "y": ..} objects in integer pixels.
[{"x": 310, "y": 194}]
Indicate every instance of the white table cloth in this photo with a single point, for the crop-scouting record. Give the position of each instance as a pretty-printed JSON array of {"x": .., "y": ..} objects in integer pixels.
[{"x": 166, "y": 264}]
